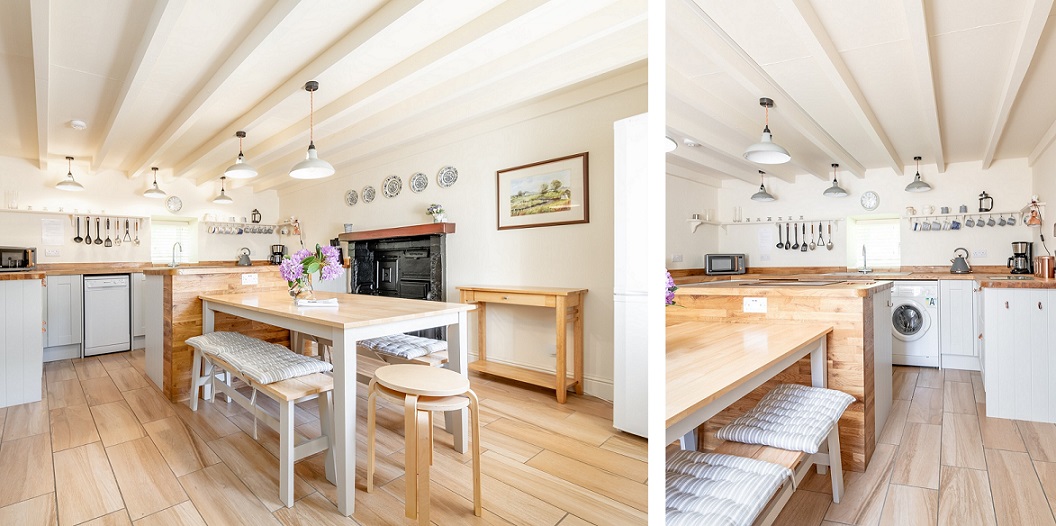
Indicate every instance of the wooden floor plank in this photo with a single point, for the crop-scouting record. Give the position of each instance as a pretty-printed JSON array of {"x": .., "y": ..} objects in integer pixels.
[
  {"x": 117, "y": 518},
  {"x": 313, "y": 509},
  {"x": 1017, "y": 492},
  {"x": 864, "y": 495},
  {"x": 147, "y": 484},
  {"x": 926, "y": 406},
  {"x": 958, "y": 397},
  {"x": 958, "y": 375},
  {"x": 85, "y": 487},
  {"x": 67, "y": 393},
  {"x": 805, "y": 508},
  {"x": 1039, "y": 439},
  {"x": 999, "y": 433},
  {"x": 591, "y": 478},
  {"x": 183, "y": 514},
  {"x": 628, "y": 445},
  {"x": 917, "y": 463},
  {"x": 116, "y": 423},
  {"x": 978, "y": 389},
  {"x": 930, "y": 377},
  {"x": 910, "y": 505},
  {"x": 101, "y": 390},
  {"x": 184, "y": 451},
  {"x": 25, "y": 420},
  {"x": 71, "y": 427},
  {"x": 59, "y": 371},
  {"x": 148, "y": 404},
  {"x": 26, "y": 469},
  {"x": 964, "y": 498},
  {"x": 962, "y": 444},
  {"x": 896, "y": 423},
  {"x": 127, "y": 379},
  {"x": 221, "y": 498},
  {"x": 904, "y": 382},
  {"x": 256, "y": 468},
  {"x": 89, "y": 368},
  {"x": 37, "y": 510},
  {"x": 209, "y": 423}
]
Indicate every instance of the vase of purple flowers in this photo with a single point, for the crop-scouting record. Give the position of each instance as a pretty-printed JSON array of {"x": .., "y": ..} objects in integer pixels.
[
  {"x": 669, "y": 290},
  {"x": 297, "y": 269}
]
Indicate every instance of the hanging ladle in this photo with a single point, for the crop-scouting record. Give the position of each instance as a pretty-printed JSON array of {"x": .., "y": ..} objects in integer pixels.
[
  {"x": 78, "y": 239},
  {"x": 829, "y": 245},
  {"x": 88, "y": 230}
]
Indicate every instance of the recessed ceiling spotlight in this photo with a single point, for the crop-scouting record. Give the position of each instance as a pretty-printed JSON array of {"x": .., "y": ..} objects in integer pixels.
[
  {"x": 690, "y": 142},
  {"x": 78, "y": 124}
]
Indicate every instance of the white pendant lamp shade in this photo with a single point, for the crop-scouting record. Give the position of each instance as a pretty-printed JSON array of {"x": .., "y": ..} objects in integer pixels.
[
  {"x": 917, "y": 185},
  {"x": 766, "y": 151},
  {"x": 223, "y": 198},
  {"x": 762, "y": 194},
  {"x": 154, "y": 192},
  {"x": 241, "y": 169},
  {"x": 669, "y": 144},
  {"x": 312, "y": 167},
  {"x": 835, "y": 190},
  {"x": 69, "y": 184}
]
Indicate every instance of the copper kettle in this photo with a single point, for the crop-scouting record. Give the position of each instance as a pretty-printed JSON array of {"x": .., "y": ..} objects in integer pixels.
[{"x": 960, "y": 263}]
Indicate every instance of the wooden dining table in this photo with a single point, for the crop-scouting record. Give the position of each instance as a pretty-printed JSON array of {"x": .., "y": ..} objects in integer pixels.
[
  {"x": 355, "y": 317},
  {"x": 711, "y": 365}
]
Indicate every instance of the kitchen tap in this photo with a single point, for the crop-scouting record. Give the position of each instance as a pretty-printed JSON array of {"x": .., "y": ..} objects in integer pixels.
[
  {"x": 865, "y": 263},
  {"x": 175, "y": 263}
]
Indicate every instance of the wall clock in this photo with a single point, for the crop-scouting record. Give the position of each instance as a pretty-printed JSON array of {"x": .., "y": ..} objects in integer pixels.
[
  {"x": 174, "y": 204},
  {"x": 870, "y": 200}
]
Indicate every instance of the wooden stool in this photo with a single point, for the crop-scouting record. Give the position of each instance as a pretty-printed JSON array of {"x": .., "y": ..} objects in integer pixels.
[{"x": 422, "y": 390}]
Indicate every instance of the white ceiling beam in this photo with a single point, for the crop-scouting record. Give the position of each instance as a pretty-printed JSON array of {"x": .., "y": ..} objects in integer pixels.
[
  {"x": 804, "y": 20},
  {"x": 40, "y": 28},
  {"x": 917, "y": 24},
  {"x": 695, "y": 174},
  {"x": 160, "y": 25},
  {"x": 1030, "y": 31},
  {"x": 1043, "y": 145},
  {"x": 746, "y": 72},
  {"x": 368, "y": 29},
  {"x": 197, "y": 106}
]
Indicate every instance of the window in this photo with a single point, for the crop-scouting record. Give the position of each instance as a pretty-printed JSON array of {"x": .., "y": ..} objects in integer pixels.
[
  {"x": 881, "y": 239},
  {"x": 164, "y": 234}
]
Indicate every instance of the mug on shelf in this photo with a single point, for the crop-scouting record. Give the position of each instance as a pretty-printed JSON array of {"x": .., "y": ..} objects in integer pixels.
[
  {"x": 945, "y": 210},
  {"x": 910, "y": 211},
  {"x": 928, "y": 210},
  {"x": 963, "y": 209}
]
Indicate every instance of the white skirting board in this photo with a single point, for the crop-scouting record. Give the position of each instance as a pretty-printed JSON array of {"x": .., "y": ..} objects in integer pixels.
[{"x": 953, "y": 361}]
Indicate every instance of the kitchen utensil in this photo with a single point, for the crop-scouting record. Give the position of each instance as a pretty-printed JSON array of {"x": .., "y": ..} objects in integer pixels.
[
  {"x": 117, "y": 232},
  {"x": 128, "y": 238},
  {"x": 1022, "y": 260},
  {"x": 803, "y": 247},
  {"x": 108, "y": 243},
  {"x": 243, "y": 257},
  {"x": 960, "y": 263},
  {"x": 812, "y": 245},
  {"x": 780, "y": 243},
  {"x": 78, "y": 239},
  {"x": 136, "y": 241},
  {"x": 969, "y": 223},
  {"x": 788, "y": 238},
  {"x": 98, "y": 231},
  {"x": 87, "y": 230},
  {"x": 829, "y": 244},
  {"x": 1044, "y": 266},
  {"x": 821, "y": 241},
  {"x": 795, "y": 228}
]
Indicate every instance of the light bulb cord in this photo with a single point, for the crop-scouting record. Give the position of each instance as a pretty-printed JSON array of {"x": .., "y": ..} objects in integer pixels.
[{"x": 311, "y": 117}]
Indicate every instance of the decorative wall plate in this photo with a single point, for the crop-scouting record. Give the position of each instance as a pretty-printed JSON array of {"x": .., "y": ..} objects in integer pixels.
[
  {"x": 368, "y": 194},
  {"x": 447, "y": 176},
  {"x": 391, "y": 186},
  {"x": 418, "y": 182},
  {"x": 174, "y": 204},
  {"x": 351, "y": 197}
]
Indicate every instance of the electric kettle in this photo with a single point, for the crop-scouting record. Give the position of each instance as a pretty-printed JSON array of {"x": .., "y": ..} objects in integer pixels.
[{"x": 960, "y": 263}]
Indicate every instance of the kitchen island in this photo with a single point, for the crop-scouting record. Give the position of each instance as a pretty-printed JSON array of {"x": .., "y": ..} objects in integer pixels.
[
  {"x": 173, "y": 313},
  {"x": 858, "y": 348}
]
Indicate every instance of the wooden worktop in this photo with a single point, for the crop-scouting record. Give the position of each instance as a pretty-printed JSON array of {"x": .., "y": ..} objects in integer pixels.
[
  {"x": 125, "y": 267},
  {"x": 917, "y": 273},
  {"x": 193, "y": 270},
  {"x": 705, "y": 360},
  {"x": 856, "y": 288},
  {"x": 15, "y": 276},
  {"x": 1036, "y": 283},
  {"x": 558, "y": 291}
]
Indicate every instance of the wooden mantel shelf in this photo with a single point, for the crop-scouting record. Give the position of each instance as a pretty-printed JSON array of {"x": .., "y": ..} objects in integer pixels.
[{"x": 426, "y": 229}]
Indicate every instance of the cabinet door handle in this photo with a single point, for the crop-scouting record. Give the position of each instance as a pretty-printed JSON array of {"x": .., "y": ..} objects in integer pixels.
[
  {"x": 1039, "y": 305},
  {"x": 1006, "y": 304}
]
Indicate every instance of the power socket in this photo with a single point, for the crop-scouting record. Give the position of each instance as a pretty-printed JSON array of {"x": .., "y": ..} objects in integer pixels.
[
  {"x": 978, "y": 253},
  {"x": 756, "y": 305},
  {"x": 51, "y": 252},
  {"x": 249, "y": 279},
  {"x": 676, "y": 258}
]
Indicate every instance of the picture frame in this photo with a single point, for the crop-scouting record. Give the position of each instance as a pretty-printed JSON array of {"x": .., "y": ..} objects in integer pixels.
[{"x": 546, "y": 193}]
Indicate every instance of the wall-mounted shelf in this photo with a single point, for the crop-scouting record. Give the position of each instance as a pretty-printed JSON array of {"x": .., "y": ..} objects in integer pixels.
[
  {"x": 227, "y": 227},
  {"x": 695, "y": 223},
  {"x": 835, "y": 221},
  {"x": 72, "y": 215}
]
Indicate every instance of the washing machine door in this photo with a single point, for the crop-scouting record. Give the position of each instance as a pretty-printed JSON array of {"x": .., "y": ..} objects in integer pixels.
[{"x": 909, "y": 321}]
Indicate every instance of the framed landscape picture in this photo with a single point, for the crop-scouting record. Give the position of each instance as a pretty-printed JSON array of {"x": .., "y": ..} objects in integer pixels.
[{"x": 546, "y": 193}]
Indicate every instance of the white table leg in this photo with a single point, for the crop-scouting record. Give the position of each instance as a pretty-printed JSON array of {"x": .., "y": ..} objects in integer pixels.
[
  {"x": 344, "y": 452},
  {"x": 207, "y": 327},
  {"x": 457, "y": 422},
  {"x": 819, "y": 365}
]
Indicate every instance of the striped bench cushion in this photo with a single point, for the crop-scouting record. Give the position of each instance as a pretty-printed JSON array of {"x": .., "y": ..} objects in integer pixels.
[
  {"x": 713, "y": 489},
  {"x": 404, "y": 345},
  {"x": 793, "y": 417},
  {"x": 258, "y": 360}
]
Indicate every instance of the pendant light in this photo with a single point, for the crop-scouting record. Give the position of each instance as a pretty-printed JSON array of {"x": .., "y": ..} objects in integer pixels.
[
  {"x": 917, "y": 185},
  {"x": 69, "y": 184},
  {"x": 762, "y": 194},
  {"x": 766, "y": 151},
  {"x": 835, "y": 190},
  {"x": 669, "y": 144},
  {"x": 222, "y": 199},
  {"x": 312, "y": 167},
  {"x": 241, "y": 169},
  {"x": 154, "y": 192}
]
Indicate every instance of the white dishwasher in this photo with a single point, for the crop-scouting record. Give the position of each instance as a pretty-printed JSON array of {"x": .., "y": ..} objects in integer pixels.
[{"x": 107, "y": 325}]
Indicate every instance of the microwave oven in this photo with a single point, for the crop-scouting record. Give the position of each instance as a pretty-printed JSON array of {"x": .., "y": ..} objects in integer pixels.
[
  {"x": 13, "y": 259},
  {"x": 715, "y": 264}
]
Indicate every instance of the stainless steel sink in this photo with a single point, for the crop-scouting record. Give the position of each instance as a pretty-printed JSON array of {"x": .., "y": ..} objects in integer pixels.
[
  {"x": 867, "y": 274},
  {"x": 1011, "y": 277}
]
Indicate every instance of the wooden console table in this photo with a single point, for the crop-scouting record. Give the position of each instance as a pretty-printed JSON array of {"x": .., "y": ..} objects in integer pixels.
[{"x": 568, "y": 306}]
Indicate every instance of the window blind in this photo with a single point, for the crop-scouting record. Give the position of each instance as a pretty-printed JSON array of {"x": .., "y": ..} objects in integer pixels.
[
  {"x": 165, "y": 234},
  {"x": 882, "y": 240}
]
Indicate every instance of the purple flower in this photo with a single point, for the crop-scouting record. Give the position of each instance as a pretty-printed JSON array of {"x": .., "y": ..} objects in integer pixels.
[
  {"x": 669, "y": 291},
  {"x": 331, "y": 271},
  {"x": 329, "y": 253},
  {"x": 299, "y": 256},
  {"x": 291, "y": 270}
]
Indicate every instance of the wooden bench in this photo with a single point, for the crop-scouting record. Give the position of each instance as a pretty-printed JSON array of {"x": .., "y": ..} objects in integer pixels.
[{"x": 287, "y": 393}]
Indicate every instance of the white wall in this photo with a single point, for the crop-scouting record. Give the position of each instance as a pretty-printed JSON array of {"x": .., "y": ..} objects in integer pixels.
[
  {"x": 561, "y": 256},
  {"x": 1045, "y": 187},
  {"x": 117, "y": 195},
  {"x": 1009, "y": 182},
  {"x": 685, "y": 198}
]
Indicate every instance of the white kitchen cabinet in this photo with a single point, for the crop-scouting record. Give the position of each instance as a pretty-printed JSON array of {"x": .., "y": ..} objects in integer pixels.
[
  {"x": 957, "y": 330},
  {"x": 1019, "y": 324},
  {"x": 63, "y": 313},
  {"x": 21, "y": 341},
  {"x": 882, "y": 374},
  {"x": 139, "y": 324}
]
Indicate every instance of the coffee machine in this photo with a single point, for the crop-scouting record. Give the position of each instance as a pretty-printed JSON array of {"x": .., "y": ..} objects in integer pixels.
[
  {"x": 1022, "y": 260},
  {"x": 277, "y": 253}
]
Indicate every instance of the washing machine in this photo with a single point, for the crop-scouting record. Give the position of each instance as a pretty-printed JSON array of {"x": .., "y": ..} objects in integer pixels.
[{"x": 915, "y": 323}]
